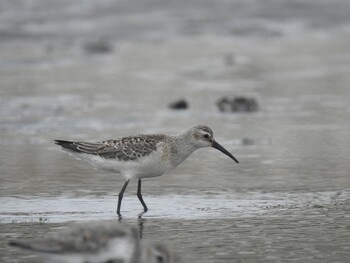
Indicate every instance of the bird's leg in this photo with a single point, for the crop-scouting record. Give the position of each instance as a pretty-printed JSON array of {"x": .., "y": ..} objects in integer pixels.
[
  {"x": 139, "y": 195},
  {"x": 120, "y": 196}
]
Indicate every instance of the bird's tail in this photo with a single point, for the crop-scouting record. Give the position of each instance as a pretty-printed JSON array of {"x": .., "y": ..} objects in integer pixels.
[
  {"x": 81, "y": 147},
  {"x": 67, "y": 145}
]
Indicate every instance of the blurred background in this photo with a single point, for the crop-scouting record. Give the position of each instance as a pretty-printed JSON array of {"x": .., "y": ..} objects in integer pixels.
[{"x": 270, "y": 77}]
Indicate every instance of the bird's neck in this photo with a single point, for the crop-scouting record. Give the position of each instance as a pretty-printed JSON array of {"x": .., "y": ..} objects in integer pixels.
[{"x": 184, "y": 146}]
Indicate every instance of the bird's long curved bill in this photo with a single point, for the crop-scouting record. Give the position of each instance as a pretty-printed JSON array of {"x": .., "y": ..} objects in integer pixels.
[{"x": 223, "y": 150}]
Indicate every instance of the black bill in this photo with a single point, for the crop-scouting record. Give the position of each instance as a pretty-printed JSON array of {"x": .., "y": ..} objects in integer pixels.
[{"x": 223, "y": 150}]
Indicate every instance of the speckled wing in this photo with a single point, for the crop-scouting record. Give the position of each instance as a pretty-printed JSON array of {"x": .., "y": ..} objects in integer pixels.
[
  {"x": 130, "y": 148},
  {"x": 127, "y": 148}
]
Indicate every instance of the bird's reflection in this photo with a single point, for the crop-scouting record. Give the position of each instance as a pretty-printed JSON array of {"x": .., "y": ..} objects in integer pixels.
[
  {"x": 98, "y": 241},
  {"x": 140, "y": 223}
]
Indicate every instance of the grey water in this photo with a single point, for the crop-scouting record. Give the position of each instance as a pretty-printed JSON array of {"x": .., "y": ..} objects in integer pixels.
[{"x": 88, "y": 70}]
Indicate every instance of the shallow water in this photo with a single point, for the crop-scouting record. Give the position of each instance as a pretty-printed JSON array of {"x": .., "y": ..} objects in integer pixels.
[{"x": 287, "y": 200}]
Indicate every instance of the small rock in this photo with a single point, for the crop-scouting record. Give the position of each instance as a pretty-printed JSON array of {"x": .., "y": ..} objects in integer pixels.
[
  {"x": 247, "y": 141},
  {"x": 237, "y": 104},
  {"x": 179, "y": 105},
  {"x": 98, "y": 47}
]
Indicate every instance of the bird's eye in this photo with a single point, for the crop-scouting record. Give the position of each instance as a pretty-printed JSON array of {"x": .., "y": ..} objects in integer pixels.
[{"x": 206, "y": 136}]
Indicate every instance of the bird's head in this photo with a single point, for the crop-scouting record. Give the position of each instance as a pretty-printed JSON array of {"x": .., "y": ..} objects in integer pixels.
[{"x": 202, "y": 136}]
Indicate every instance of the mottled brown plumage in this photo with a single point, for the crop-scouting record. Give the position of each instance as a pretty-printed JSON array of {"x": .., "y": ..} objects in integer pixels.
[{"x": 124, "y": 149}]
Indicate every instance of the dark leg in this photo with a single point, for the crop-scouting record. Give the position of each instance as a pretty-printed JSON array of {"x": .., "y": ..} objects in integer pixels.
[
  {"x": 139, "y": 195},
  {"x": 120, "y": 196}
]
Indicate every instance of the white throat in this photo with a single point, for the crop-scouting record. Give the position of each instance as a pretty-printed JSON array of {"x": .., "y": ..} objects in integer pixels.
[{"x": 184, "y": 147}]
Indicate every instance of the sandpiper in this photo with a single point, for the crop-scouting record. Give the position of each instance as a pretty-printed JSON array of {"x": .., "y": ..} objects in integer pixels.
[
  {"x": 96, "y": 242},
  {"x": 144, "y": 156}
]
